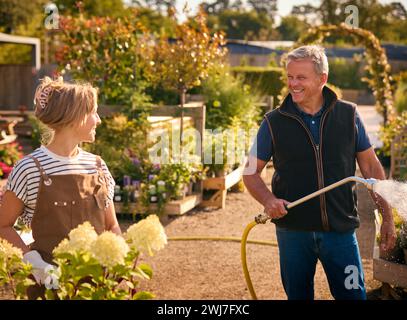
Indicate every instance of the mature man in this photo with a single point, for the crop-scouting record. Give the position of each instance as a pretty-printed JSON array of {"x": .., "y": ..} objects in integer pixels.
[{"x": 314, "y": 139}]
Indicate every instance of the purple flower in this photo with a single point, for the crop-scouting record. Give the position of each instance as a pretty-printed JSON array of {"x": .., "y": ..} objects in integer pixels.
[
  {"x": 136, "y": 161},
  {"x": 126, "y": 180},
  {"x": 151, "y": 177},
  {"x": 156, "y": 166}
]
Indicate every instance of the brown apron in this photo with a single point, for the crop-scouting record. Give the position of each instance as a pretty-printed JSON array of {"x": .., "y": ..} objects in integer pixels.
[{"x": 64, "y": 202}]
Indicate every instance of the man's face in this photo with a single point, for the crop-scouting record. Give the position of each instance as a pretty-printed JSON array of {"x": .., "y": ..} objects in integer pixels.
[{"x": 304, "y": 83}]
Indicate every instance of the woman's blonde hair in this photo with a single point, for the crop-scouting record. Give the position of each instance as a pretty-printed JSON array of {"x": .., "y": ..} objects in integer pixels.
[{"x": 59, "y": 104}]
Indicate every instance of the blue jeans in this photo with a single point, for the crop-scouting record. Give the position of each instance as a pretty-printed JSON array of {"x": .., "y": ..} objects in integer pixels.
[{"x": 339, "y": 255}]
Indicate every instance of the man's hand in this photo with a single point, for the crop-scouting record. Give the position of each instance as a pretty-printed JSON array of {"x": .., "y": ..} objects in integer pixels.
[
  {"x": 387, "y": 235},
  {"x": 275, "y": 208}
]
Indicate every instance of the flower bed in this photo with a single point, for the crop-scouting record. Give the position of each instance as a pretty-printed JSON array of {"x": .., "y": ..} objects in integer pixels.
[{"x": 89, "y": 266}]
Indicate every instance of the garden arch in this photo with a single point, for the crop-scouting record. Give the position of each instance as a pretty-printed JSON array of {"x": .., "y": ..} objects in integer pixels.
[{"x": 377, "y": 65}]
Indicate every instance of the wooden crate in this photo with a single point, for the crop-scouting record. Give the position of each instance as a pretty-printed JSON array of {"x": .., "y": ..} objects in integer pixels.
[
  {"x": 387, "y": 272},
  {"x": 176, "y": 207},
  {"x": 221, "y": 184}
]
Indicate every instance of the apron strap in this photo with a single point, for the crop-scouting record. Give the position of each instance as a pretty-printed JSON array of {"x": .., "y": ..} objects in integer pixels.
[
  {"x": 47, "y": 180},
  {"x": 99, "y": 169}
]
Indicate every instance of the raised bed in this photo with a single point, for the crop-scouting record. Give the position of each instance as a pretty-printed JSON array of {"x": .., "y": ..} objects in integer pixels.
[
  {"x": 388, "y": 272},
  {"x": 175, "y": 207}
]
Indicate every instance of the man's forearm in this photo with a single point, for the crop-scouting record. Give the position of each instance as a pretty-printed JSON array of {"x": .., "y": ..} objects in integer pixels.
[
  {"x": 376, "y": 171},
  {"x": 257, "y": 188}
]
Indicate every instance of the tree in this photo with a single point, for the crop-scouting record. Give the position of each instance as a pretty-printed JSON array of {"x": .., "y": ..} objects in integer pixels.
[
  {"x": 14, "y": 13},
  {"x": 305, "y": 12},
  {"x": 216, "y": 7},
  {"x": 155, "y": 21},
  {"x": 182, "y": 63},
  {"x": 291, "y": 27},
  {"x": 161, "y": 6},
  {"x": 105, "y": 52},
  {"x": 268, "y": 7},
  {"x": 89, "y": 8},
  {"x": 380, "y": 19},
  {"x": 248, "y": 25},
  {"x": 398, "y": 11}
]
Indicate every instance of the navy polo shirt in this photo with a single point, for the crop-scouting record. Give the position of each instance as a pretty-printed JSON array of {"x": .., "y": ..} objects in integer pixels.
[{"x": 264, "y": 143}]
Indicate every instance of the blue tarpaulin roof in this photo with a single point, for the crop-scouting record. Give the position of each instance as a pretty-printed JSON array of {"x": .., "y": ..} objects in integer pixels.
[{"x": 394, "y": 52}]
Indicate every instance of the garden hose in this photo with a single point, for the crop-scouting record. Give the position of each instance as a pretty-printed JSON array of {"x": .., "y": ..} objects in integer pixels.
[{"x": 260, "y": 219}]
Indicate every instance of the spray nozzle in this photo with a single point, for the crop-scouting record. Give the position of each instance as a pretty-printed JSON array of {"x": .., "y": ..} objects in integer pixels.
[{"x": 370, "y": 184}]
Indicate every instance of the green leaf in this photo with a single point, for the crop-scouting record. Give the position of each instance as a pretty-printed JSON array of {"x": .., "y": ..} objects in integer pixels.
[
  {"x": 146, "y": 269},
  {"x": 143, "y": 295}
]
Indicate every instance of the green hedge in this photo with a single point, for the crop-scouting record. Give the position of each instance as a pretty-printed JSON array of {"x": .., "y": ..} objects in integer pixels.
[
  {"x": 264, "y": 80},
  {"x": 346, "y": 74}
]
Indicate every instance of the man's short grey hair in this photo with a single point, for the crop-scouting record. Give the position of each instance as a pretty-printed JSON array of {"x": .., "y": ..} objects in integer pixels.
[{"x": 313, "y": 52}]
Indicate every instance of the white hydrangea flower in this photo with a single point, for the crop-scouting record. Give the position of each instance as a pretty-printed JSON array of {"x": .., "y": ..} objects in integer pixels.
[
  {"x": 63, "y": 247},
  {"x": 7, "y": 250},
  {"x": 109, "y": 249},
  {"x": 82, "y": 237},
  {"x": 147, "y": 235}
]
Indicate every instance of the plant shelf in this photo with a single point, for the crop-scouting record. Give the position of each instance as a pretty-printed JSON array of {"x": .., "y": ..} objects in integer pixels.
[
  {"x": 221, "y": 184},
  {"x": 175, "y": 207}
]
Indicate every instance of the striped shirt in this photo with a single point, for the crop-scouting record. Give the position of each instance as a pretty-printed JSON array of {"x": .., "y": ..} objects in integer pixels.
[{"x": 25, "y": 177}]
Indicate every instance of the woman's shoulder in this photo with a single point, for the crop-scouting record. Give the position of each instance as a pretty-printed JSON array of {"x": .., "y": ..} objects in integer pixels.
[
  {"x": 88, "y": 156},
  {"x": 29, "y": 158}
]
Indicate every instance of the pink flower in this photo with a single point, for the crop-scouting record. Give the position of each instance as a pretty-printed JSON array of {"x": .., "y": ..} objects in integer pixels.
[{"x": 6, "y": 169}]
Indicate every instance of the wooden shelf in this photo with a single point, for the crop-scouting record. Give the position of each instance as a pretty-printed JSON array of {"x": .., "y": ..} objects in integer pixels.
[
  {"x": 222, "y": 184},
  {"x": 175, "y": 207}
]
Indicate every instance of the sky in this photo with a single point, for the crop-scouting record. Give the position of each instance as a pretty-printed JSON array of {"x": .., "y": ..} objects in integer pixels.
[{"x": 283, "y": 6}]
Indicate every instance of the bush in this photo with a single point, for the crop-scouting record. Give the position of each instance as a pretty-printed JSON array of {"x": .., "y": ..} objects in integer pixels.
[
  {"x": 230, "y": 105},
  {"x": 393, "y": 129},
  {"x": 345, "y": 74},
  {"x": 264, "y": 80},
  {"x": 120, "y": 142},
  {"x": 89, "y": 266},
  {"x": 228, "y": 99},
  {"x": 400, "y": 97},
  {"x": 85, "y": 43}
]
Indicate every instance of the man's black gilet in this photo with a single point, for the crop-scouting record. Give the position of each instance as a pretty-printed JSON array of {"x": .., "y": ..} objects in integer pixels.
[{"x": 302, "y": 167}]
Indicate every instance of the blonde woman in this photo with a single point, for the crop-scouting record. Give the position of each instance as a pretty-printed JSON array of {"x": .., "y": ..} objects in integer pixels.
[{"x": 59, "y": 185}]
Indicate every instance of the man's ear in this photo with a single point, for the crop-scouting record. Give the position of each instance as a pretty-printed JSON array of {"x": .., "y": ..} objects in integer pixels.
[{"x": 323, "y": 78}]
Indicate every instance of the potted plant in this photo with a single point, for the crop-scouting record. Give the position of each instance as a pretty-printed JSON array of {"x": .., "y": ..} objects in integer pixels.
[
  {"x": 403, "y": 240},
  {"x": 395, "y": 254}
]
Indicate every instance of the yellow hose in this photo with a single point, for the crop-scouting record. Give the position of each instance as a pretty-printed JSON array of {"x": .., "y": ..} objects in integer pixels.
[
  {"x": 244, "y": 259},
  {"x": 210, "y": 238},
  {"x": 243, "y": 242}
]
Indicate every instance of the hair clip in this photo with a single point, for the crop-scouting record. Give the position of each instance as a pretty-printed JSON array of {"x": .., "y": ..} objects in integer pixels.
[{"x": 43, "y": 98}]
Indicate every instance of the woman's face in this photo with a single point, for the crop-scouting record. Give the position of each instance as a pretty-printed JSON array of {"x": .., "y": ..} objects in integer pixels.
[{"x": 87, "y": 130}]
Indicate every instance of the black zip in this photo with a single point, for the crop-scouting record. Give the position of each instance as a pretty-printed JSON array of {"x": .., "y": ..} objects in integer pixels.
[{"x": 318, "y": 158}]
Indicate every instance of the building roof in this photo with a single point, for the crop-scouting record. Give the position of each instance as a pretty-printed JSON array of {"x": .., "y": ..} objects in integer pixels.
[{"x": 393, "y": 51}]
